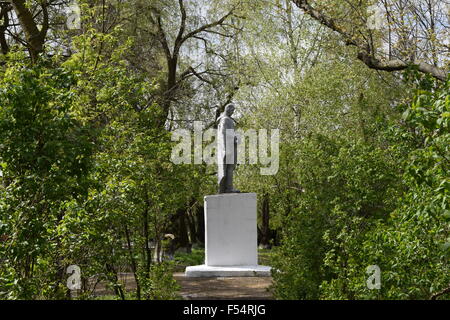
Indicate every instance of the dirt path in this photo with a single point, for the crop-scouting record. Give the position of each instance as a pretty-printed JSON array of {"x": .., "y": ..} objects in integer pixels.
[
  {"x": 248, "y": 288},
  {"x": 239, "y": 288}
]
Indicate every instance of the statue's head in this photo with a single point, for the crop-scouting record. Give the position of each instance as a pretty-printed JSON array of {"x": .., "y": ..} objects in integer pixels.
[{"x": 229, "y": 109}]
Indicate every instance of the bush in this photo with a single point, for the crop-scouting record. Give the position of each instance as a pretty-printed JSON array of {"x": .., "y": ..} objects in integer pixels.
[
  {"x": 45, "y": 155},
  {"x": 381, "y": 203}
]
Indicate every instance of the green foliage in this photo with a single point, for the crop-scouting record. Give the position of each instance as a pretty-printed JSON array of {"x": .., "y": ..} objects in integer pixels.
[
  {"x": 161, "y": 284},
  {"x": 383, "y": 203},
  {"x": 86, "y": 176},
  {"x": 345, "y": 187},
  {"x": 196, "y": 257},
  {"x": 138, "y": 187},
  {"x": 412, "y": 248},
  {"x": 46, "y": 157}
]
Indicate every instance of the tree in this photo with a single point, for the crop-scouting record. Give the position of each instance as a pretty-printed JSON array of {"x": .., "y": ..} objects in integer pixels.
[
  {"x": 415, "y": 35},
  {"x": 46, "y": 156},
  {"x": 173, "y": 37}
]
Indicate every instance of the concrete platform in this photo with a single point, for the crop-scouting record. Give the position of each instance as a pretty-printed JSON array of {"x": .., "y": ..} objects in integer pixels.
[{"x": 204, "y": 271}]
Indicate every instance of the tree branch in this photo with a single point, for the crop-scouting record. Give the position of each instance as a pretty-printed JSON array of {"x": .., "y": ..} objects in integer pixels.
[
  {"x": 179, "y": 39},
  {"x": 35, "y": 37},
  {"x": 398, "y": 65},
  {"x": 206, "y": 26},
  {"x": 161, "y": 34},
  {"x": 440, "y": 293},
  {"x": 366, "y": 54}
]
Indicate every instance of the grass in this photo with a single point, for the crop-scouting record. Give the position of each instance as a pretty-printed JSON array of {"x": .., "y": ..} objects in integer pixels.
[
  {"x": 265, "y": 257},
  {"x": 182, "y": 259}
]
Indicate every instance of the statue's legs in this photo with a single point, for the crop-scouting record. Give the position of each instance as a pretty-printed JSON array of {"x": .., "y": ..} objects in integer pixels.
[
  {"x": 223, "y": 185},
  {"x": 226, "y": 183},
  {"x": 229, "y": 178}
]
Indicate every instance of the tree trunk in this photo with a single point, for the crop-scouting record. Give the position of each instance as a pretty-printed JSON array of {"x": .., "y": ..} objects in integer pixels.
[
  {"x": 133, "y": 264},
  {"x": 4, "y": 16},
  {"x": 147, "y": 250},
  {"x": 265, "y": 219},
  {"x": 35, "y": 37}
]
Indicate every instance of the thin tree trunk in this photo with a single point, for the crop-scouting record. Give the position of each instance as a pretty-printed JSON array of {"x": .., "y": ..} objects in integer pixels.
[
  {"x": 265, "y": 219},
  {"x": 148, "y": 252},
  {"x": 133, "y": 264},
  {"x": 117, "y": 289}
]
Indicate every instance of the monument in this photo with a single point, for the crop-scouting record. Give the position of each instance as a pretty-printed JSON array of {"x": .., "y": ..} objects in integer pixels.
[
  {"x": 226, "y": 150},
  {"x": 231, "y": 248}
]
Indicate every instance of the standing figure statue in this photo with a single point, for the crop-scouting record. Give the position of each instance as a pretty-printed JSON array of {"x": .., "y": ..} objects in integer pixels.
[{"x": 226, "y": 150}]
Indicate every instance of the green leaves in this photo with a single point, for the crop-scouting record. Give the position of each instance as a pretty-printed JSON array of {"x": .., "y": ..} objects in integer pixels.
[
  {"x": 382, "y": 200},
  {"x": 46, "y": 157}
]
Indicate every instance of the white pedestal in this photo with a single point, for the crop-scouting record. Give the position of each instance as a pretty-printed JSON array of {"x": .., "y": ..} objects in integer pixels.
[{"x": 230, "y": 238}]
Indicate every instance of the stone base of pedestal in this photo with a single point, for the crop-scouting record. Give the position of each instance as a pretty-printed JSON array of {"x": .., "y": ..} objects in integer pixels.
[
  {"x": 230, "y": 238},
  {"x": 204, "y": 271}
]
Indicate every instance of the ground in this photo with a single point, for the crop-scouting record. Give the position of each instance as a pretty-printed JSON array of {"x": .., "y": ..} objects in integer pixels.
[
  {"x": 218, "y": 288},
  {"x": 224, "y": 288}
]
